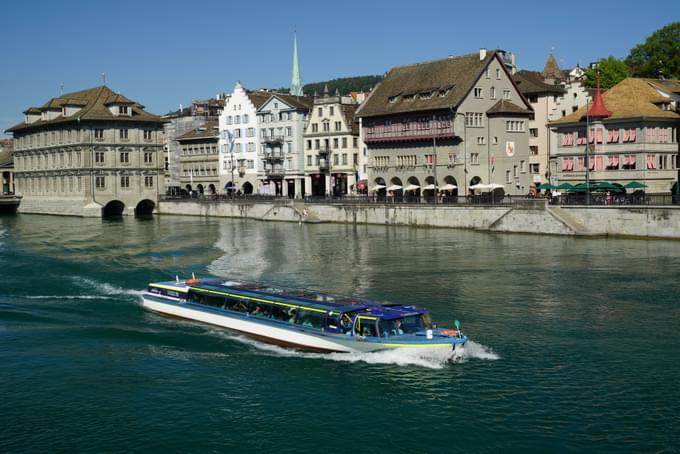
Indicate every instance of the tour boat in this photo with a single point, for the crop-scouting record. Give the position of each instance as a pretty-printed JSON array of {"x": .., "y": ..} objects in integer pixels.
[{"x": 301, "y": 319}]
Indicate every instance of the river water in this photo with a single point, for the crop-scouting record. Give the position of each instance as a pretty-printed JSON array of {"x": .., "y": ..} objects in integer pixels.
[{"x": 575, "y": 342}]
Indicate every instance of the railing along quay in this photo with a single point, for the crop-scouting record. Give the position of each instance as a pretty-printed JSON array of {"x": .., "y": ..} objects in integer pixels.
[{"x": 596, "y": 200}]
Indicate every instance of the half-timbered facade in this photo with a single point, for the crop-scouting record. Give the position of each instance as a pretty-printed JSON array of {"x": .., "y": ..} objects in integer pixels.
[
  {"x": 456, "y": 122},
  {"x": 89, "y": 153}
]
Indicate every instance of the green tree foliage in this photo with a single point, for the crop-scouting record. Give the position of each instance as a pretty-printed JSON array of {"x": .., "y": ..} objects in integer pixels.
[
  {"x": 345, "y": 85},
  {"x": 611, "y": 71},
  {"x": 659, "y": 55}
]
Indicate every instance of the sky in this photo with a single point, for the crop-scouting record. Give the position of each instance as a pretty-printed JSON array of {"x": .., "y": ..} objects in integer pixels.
[{"x": 166, "y": 53}]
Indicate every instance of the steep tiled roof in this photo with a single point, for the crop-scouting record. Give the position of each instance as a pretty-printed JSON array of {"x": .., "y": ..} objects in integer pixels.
[
  {"x": 94, "y": 104},
  {"x": 506, "y": 107},
  {"x": 258, "y": 98},
  {"x": 210, "y": 130},
  {"x": 533, "y": 82},
  {"x": 438, "y": 84},
  {"x": 630, "y": 98},
  {"x": 349, "y": 112}
]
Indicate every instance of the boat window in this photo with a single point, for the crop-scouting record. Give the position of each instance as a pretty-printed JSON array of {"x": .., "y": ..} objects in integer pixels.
[
  {"x": 280, "y": 313},
  {"x": 234, "y": 304},
  {"x": 260, "y": 310},
  {"x": 391, "y": 327},
  {"x": 414, "y": 323},
  {"x": 365, "y": 326},
  {"x": 206, "y": 299},
  {"x": 311, "y": 319}
]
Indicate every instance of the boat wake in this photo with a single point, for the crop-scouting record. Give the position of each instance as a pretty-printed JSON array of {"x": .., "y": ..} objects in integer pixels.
[
  {"x": 102, "y": 290},
  {"x": 431, "y": 358}
]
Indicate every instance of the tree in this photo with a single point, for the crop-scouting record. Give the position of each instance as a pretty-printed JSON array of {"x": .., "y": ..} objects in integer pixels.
[
  {"x": 344, "y": 85},
  {"x": 611, "y": 71},
  {"x": 659, "y": 55}
]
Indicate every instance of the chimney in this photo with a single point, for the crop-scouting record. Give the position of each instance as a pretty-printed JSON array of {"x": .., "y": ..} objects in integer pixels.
[
  {"x": 482, "y": 53},
  {"x": 180, "y": 109}
]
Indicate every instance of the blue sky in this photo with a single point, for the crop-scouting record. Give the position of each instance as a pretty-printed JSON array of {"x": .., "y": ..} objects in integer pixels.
[{"x": 163, "y": 53}]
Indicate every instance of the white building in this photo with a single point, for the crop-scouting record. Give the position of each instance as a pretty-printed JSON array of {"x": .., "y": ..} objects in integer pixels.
[
  {"x": 238, "y": 143},
  {"x": 281, "y": 121}
]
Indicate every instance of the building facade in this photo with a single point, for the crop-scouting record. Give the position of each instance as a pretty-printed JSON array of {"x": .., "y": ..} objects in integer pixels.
[
  {"x": 7, "y": 166},
  {"x": 238, "y": 142},
  {"x": 332, "y": 146},
  {"x": 633, "y": 138},
  {"x": 89, "y": 153},
  {"x": 199, "y": 159},
  {"x": 452, "y": 123},
  {"x": 281, "y": 121}
]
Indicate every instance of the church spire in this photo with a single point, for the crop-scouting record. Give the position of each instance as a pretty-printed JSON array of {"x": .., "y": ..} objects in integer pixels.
[
  {"x": 598, "y": 109},
  {"x": 295, "y": 84}
]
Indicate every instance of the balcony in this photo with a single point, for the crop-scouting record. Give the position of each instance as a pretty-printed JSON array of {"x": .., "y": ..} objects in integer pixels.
[
  {"x": 324, "y": 150},
  {"x": 273, "y": 139},
  {"x": 273, "y": 155},
  {"x": 274, "y": 171}
]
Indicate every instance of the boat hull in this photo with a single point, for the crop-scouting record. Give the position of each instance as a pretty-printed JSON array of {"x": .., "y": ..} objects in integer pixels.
[{"x": 290, "y": 337}]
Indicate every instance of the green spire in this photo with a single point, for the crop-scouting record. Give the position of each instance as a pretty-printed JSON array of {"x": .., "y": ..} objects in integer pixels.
[{"x": 295, "y": 84}]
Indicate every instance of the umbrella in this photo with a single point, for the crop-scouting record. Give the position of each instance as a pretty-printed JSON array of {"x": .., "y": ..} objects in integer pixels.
[
  {"x": 634, "y": 185},
  {"x": 411, "y": 187},
  {"x": 607, "y": 186},
  {"x": 448, "y": 187},
  {"x": 481, "y": 186},
  {"x": 377, "y": 187},
  {"x": 429, "y": 187},
  {"x": 563, "y": 186},
  {"x": 394, "y": 187},
  {"x": 546, "y": 187}
]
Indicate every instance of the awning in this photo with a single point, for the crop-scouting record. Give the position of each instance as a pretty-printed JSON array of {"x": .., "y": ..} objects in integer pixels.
[
  {"x": 634, "y": 185},
  {"x": 481, "y": 186},
  {"x": 448, "y": 187},
  {"x": 429, "y": 187},
  {"x": 394, "y": 187},
  {"x": 377, "y": 187},
  {"x": 411, "y": 187}
]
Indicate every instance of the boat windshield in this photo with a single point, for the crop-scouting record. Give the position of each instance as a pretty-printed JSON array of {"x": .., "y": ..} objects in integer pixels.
[{"x": 406, "y": 325}]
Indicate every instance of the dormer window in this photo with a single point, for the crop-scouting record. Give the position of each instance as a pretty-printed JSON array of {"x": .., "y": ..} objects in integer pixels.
[{"x": 123, "y": 110}]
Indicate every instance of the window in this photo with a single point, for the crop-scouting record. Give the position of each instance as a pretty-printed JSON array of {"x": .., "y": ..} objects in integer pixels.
[
  {"x": 487, "y": 73},
  {"x": 522, "y": 166},
  {"x": 309, "y": 160},
  {"x": 533, "y": 99},
  {"x": 474, "y": 119},
  {"x": 99, "y": 157},
  {"x": 289, "y": 131},
  {"x": 122, "y": 110},
  {"x": 250, "y": 132},
  {"x": 533, "y": 168},
  {"x": 514, "y": 126},
  {"x": 229, "y": 119},
  {"x": 355, "y": 142},
  {"x": 326, "y": 126},
  {"x": 481, "y": 140},
  {"x": 344, "y": 142},
  {"x": 237, "y": 133},
  {"x": 250, "y": 146},
  {"x": 125, "y": 156},
  {"x": 315, "y": 127},
  {"x": 98, "y": 134},
  {"x": 493, "y": 92},
  {"x": 506, "y": 94},
  {"x": 344, "y": 159},
  {"x": 533, "y": 132},
  {"x": 316, "y": 144},
  {"x": 148, "y": 157},
  {"x": 99, "y": 182},
  {"x": 237, "y": 119},
  {"x": 245, "y": 118},
  {"x": 474, "y": 158},
  {"x": 335, "y": 143},
  {"x": 331, "y": 110},
  {"x": 478, "y": 92},
  {"x": 514, "y": 171},
  {"x": 498, "y": 74},
  {"x": 495, "y": 140},
  {"x": 321, "y": 111},
  {"x": 309, "y": 144},
  {"x": 507, "y": 176},
  {"x": 335, "y": 160},
  {"x": 338, "y": 126},
  {"x": 125, "y": 182},
  {"x": 123, "y": 134},
  {"x": 147, "y": 134},
  {"x": 533, "y": 150},
  {"x": 148, "y": 182},
  {"x": 251, "y": 164}
]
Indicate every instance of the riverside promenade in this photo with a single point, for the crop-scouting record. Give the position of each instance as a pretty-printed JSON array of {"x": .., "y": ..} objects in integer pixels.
[{"x": 512, "y": 215}]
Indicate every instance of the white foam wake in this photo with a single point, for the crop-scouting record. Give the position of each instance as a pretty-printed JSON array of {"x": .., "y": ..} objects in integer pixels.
[
  {"x": 103, "y": 288},
  {"x": 432, "y": 358}
]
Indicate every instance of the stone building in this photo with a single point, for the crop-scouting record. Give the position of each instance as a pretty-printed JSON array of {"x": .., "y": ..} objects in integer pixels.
[
  {"x": 199, "y": 159},
  {"x": 629, "y": 133},
  {"x": 7, "y": 166},
  {"x": 89, "y": 153},
  {"x": 451, "y": 123},
  {"x": 332, "y": 146},
  {"x": 281, "y": 121}
]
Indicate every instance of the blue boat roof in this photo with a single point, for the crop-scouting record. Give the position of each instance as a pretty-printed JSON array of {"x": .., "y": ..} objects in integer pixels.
[{"x": 331, "y": 303}]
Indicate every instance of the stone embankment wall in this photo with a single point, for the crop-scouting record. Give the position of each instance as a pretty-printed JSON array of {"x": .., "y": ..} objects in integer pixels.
[{"x": 523, "y": 217}]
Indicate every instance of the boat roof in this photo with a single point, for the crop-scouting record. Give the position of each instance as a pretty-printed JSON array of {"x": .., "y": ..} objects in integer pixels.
[{"x": 308, "y": 298}]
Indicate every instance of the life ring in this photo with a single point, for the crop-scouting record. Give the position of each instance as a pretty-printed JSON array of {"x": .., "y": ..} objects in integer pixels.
[
  {"x": 192, "y": 281},
  {"x": 450, "y": 332}
]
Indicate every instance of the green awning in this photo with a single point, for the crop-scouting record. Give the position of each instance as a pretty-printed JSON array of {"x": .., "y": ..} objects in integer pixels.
[
  {"x": 564, "y": 186},
  {"x": 634, "y": 185},
  {"x": 546, "y": 187}
]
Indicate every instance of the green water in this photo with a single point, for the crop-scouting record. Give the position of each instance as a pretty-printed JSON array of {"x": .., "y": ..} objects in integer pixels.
[{"x": 575, "y": 342}]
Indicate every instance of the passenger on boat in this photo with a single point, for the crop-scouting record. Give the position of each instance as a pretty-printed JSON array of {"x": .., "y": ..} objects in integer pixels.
[
  {"x": 240, "y": 307},
  {"x": 292, "y": 313},
  {"x": 397, "y": 328}
]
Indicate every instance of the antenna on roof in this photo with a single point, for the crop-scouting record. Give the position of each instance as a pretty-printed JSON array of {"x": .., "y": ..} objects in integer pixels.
[
  {"x": 61, "y": 89},
  {"x": 103, "y": 78}
]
